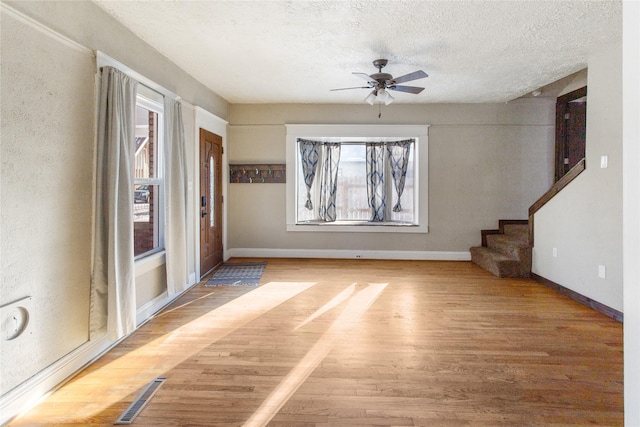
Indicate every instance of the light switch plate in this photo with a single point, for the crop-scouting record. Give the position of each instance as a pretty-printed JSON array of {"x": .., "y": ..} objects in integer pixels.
[
  {"x": 604, "y": 160},
  {"x": 602, "y": 271}
]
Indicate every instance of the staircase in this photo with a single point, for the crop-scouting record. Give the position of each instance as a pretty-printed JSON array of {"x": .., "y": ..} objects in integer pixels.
[{"x": 505, "y": 252}]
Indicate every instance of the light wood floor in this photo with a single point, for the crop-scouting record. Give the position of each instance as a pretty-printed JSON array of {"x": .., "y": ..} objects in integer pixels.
[{"x": 356, "y": 342}]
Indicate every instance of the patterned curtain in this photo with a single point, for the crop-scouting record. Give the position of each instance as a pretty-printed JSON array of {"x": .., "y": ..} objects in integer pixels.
[
  {"x": 398, "y": 153},
  {"x": 309, "y": 160},
  {"x": 329, "y": 181},
  {"x": 375, "y": 182}
]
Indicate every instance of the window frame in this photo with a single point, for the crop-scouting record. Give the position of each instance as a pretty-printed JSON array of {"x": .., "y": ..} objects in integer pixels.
[
  {"x": 153, "y": 101},
  {"x": 308, "y": 131}
]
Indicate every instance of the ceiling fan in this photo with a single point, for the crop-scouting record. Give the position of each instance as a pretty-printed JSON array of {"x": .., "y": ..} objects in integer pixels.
[{"x": 381, "y": 83}]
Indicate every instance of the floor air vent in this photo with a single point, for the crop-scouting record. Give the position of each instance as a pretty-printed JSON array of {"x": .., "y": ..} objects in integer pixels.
[{"x": 143, "y": 398}]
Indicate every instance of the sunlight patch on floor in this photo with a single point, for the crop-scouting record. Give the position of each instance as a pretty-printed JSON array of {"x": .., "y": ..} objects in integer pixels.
[
  {"x": 356, "y": 306},
  {"x": 129, "y": 373}
]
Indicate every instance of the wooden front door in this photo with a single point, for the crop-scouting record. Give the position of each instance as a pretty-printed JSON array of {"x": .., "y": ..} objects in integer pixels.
[
  {"x": 210, "y": 201},
  {"x": 571, "y": 130}
]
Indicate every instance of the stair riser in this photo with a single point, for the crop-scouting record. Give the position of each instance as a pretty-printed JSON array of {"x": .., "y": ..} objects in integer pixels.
[
  {"x": 500, "y": 268},
  {"x": 514, "y": 248}
]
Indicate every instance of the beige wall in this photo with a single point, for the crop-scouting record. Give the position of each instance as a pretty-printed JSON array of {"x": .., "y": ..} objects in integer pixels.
[
  {"x": 584, "y": 221},
  {"x": 486, "y": 162},
  {"x": 47, "y": 158},
  {"x": 46, "y": 193}
]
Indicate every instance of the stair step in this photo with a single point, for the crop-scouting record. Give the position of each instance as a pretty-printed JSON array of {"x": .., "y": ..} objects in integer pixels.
[
  {"x": 509, "y": 244},
  {"x": 522, "y": 229},
  {"x": 498, "y": 263}
]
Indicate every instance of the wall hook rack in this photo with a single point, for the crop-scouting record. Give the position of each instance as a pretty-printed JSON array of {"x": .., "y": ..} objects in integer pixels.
[{"x": 257, "y": 174}]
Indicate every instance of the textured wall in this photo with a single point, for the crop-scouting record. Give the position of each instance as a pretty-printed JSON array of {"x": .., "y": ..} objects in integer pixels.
[
  {"x": 584, "y": 222},
  {"x": 486, "y": 162},
  {"x": 46, "y": 191},
  {"x": 48, "y": 112},
  {"x": 87, "y": 24}
]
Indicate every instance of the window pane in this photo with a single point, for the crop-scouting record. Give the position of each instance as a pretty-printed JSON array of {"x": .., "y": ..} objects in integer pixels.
[
  {"x": 212, "y": 193},
  {"x": 351, "y": 193},
  {"x": 145, "y": 160},
  {"x": 145, "y": 218}
]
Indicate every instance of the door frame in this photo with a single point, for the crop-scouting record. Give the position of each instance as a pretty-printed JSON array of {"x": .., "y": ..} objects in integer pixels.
[
  {"x": 214, "y": 124},
  {"x": 562, "y": 103}
]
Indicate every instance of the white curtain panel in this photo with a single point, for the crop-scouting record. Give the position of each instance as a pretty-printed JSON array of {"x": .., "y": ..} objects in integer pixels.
[
  {"x": 175, "y": 198},
  {"x": 113, "y": 296}
]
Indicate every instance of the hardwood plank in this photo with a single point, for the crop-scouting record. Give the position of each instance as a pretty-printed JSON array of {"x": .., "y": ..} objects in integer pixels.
[{"x": 360, "y": 342}]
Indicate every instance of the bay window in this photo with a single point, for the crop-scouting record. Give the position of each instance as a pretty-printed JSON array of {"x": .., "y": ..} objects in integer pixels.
[{"x": 360, "y": 178}]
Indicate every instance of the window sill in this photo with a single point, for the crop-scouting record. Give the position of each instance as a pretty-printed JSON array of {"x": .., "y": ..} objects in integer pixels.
[
  {"x": 358, "y": 227},
  {"x": 150, "y": 262}
]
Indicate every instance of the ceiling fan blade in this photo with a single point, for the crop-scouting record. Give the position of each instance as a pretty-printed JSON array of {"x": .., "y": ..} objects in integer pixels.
[
  {"x": 347, "y": 88},
  {"x": 411, "y": 76},
  {"x": 366, "y": 77},
  {"x": 408, "y": 89}
]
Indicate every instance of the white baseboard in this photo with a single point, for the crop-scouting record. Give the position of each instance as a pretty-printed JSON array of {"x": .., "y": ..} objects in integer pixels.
[
  {"x": 349, "y": 254},
  {"x": 36, "y": 388},
  {"x": 149, "y": 309}
]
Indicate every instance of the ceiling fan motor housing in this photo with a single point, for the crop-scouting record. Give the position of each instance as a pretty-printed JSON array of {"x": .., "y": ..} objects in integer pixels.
[{"x": 381, "y": 78}]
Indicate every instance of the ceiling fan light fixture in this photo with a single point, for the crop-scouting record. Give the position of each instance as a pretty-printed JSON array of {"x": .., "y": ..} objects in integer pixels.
[
  {"x": 389, "y": 99},
  {"x": 371, "y": 98},
  {"x": 382, "y": 95}
]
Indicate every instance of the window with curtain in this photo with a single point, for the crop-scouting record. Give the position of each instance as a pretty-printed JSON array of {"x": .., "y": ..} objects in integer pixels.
[
  {"x": 369, "y": 178},
  {"x": 370, "y": 181},
  {"x": 141, "y": 194}
]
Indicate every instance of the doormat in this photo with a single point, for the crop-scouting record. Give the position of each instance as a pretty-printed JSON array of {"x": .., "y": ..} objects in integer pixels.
[{"x": 238, "y": 273}]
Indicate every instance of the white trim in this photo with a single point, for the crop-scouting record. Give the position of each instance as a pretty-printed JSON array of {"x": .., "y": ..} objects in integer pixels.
[
  {"x": 421, "y": 171},
  {"x": 150, "y": 262},
  {"x": 363, "y": 228},
  {"x": 38, "y": 26},
  {"x": 350, "y": 254},
  {"x": 104, "y": 60},
  {"x": 192, "y": 279},
  {"x": 631, "y": 209},
  {"x": 38, "y": 387}
]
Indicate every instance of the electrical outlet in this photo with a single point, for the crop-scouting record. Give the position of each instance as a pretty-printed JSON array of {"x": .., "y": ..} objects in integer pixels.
[{"x": 555, "y": 252}]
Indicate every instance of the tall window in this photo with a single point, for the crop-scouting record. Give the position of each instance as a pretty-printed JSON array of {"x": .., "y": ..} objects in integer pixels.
[
  {"x": 357, "y": 178},
  {"x": 148, "y": 179}
]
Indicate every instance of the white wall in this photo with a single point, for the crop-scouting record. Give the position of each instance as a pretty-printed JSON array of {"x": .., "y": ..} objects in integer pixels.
[
  {"x": 584, "y": 221},
  {"x": 631, "y": 211},
  {"x": 486, "y": 162},
  {"x": 47, "y": 158}
]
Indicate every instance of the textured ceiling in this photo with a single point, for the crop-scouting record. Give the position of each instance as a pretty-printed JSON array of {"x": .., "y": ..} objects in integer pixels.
[{"x": 296, "y": 51}]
